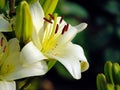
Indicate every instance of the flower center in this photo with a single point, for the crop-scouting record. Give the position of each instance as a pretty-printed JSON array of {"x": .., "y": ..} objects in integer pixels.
[
  {"x": 3, "y": 45},
  {"x": 53, "y": 30},
  {"x": 4, "y": 63}
]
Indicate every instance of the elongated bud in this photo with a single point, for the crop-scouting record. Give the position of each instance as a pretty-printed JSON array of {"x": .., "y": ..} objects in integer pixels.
[
  {"x": 101, "y": 82},
  {"x": 48, "y": 6},
  {"x": 24, "y": 25},
  {"x": 110, "y": 87},
  {"x": 31, "y": 1},
  {"x": 108, "y": 72},
  {"x": 116, "y": 73},
  {"x": 2, "y": 4},
  {"x": 117, "y": 87}
]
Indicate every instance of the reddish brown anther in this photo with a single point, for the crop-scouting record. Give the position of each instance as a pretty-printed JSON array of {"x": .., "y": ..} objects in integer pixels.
[
  {"x": 61, "y": 19},
  {"x": 64, "y": 29},
  {"x": 51, "y": 16},
  {"x": 67, "y": 27},
  {"x": 56, "y": 30},
  {"x": 47, "y": 20}
]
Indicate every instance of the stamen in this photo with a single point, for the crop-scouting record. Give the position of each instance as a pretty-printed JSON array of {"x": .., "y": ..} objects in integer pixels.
[
  {"x": 61, "y": 19},
  {"x": 52, "y": 17},
  {"x": 1, "y": 42},
  {"x": 64, "y": 29},
  {"x": 4, "y": 49},
  {"x": 56, "y": 30},
  {"x": 47, "y": 20},
  {"x": 67, "y": 27}
]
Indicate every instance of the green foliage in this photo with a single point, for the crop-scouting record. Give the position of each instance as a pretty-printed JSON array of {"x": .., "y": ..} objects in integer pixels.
[
  {"x": 61, "y": 70},
  {"x": 111, "y": 79}
]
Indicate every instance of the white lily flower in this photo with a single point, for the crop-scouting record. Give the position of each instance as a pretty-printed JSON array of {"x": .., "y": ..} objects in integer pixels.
[
  {"x": 52, "y": 40},
  {"x": 11, "y": 67}
]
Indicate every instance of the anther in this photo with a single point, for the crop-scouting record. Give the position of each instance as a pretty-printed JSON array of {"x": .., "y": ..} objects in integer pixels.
[
  {"x": 52, "y": 17},
  {"x": 56, "y": 30},
  {"x": 61, "y": 19},
  {"x": 47, "y": 20},
  {"x": 67, "y": 27},
  {"x": 1, "y": 42},
  {"x": 64, "y": 29}
]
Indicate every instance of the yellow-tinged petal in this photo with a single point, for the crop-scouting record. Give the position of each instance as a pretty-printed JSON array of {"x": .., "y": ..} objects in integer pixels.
[
  {"x": 13, "y": 45},
  {"x": 37, "y": 15},
  {"x": 70, "y": 55},
  {"x": 7, "y": 85},
  {"x": 28, "y": 70},
  {"x": 31, "y": 54}
]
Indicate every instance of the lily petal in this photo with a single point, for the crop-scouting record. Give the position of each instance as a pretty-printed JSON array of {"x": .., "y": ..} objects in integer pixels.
[
  {"x": 5, "y": 85},
  {"x": 37, "y": 15},
  {"x": 81, "y": 27},
  {"x": 13, "y": 45},
  {"x": 36, "y": 39},
  {"x": 28, "y": 70},
  {"x": 4, "y": 25},
  {"x": 68, "y": 36},
  {"x": 70, "y": 56},
  {"x": 31, "y": 54}
]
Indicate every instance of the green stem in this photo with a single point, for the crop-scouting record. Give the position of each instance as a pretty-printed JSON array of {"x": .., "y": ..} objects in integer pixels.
[{"x": 11, "y": 6}]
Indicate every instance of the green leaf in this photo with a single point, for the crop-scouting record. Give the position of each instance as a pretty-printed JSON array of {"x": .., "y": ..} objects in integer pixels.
[
  {"x": 68, "y": 8},
  {"x": 51, "y": 63}
]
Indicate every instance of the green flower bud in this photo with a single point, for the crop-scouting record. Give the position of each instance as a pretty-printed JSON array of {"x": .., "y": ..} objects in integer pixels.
[
  {"x": 101, "y": 82},
  {"x": 110, "y": 87},
  {"x": 116, "y": 73},
  {"x": 2, "y": 4},
  {"x": 117, "y": 87},
  {"x": 31, "y": 1},
  {"x": 24, "y": 25},
  {"x": 108, "y": 72},
  {"x": 48, "y": 6}
]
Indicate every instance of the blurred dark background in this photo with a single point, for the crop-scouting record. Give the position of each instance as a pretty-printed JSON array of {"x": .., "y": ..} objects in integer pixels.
[{"x": 100, "y": 40}]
